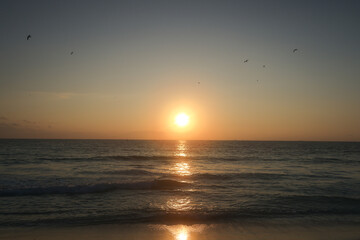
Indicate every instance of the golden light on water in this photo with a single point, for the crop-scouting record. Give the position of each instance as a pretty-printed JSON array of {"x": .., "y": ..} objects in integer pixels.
[
  {"x": 179, "y": 204},
  {"x": 181, "y": 149},
  {"x": 181, "y": 154},
  {"x": 180, "y": 232},
  {"x": 182, "y": 120},
  {"x": 183, "y": 232},
  {"x": 182, "y": 169},
  {"x": 183, "y": 235}
]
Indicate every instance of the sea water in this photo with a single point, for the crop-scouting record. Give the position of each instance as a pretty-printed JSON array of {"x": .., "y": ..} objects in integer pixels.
[{"x": 90, "y": 182}]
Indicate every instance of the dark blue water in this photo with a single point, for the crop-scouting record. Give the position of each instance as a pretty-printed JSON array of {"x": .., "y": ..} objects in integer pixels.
[{"x": 69, "y": 182}]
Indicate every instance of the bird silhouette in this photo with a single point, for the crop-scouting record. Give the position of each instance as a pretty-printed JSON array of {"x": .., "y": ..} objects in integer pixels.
[
  {"x": 246, "y": 60},
  {"x": 295, "y": 49},
  {"x": 264, "y": 66},
  {"x": 198, "y": 82},
  {"x": 28, "y": 37},
  {"x": 71, "y": 53}
]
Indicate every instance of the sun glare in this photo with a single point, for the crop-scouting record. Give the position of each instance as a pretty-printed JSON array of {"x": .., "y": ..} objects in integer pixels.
[
  {"x": 182, "y": 232},
  {"x": 182, "y": 236},
  {"x": 182, "y": 120}
]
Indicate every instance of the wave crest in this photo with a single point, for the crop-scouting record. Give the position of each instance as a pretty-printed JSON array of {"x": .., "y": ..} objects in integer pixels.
[{"x": 163, "y": 184}]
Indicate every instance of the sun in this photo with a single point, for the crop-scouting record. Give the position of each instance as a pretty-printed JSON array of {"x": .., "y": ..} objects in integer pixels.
[{"x": 182, "y": 120}]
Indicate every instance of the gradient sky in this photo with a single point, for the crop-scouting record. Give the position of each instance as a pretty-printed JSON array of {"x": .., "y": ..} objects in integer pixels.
[{"x": 138, "y": 63}]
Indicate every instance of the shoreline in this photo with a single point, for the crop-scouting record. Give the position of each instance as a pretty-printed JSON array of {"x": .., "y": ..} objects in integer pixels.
[{"x": 266, "y": 231}]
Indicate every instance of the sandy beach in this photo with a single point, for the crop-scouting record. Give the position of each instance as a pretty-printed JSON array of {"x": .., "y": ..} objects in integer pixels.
[{"x": 186, "y": 232}]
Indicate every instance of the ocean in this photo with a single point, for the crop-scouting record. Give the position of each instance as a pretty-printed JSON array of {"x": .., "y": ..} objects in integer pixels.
[{"x": 55, "y": 183}]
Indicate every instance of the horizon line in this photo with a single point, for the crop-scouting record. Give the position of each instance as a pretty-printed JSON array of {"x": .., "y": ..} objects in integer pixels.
[{"x": 142, "y": 139}]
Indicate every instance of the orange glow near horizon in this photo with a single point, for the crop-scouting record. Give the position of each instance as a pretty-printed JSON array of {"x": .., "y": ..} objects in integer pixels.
[{"x": 148, "y": 80}]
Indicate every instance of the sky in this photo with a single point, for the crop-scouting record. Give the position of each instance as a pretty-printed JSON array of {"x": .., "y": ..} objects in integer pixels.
[{"x": 136, "y": 64}]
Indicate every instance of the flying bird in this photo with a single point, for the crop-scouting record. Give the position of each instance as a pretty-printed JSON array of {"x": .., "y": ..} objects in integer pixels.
[
  {"x": 198, "y": 82},
  {"x": 264, "y": 66},
  {"x": 295, "y": 49},
  {"x": 246, "y": 60},
  {"x": 71, "y": 53},
  {"x": 28, "y": 37}
]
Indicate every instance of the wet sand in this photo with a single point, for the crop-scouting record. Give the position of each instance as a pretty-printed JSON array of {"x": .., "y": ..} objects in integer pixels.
[{"x": 186, "y": 232}]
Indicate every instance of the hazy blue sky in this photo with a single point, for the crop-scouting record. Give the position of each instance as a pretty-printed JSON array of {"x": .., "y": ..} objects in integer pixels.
[{"x": 137, "y": 63}]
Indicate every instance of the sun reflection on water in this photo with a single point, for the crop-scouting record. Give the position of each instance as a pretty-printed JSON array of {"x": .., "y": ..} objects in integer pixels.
[
  {"x": 181, "y": 149},
  {"x": 179, "y": 204},
  {"x": 182, "y": 168},
  {"x": 182, "y": 235},
  {"x": 182, "y": 232}
]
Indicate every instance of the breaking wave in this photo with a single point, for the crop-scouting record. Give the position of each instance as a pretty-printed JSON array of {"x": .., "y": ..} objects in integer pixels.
[{"x": 163, "y": 184}]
